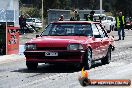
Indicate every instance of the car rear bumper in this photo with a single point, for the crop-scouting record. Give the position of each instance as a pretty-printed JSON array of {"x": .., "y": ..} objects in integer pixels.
[
  {"x": 128, "y": 26},
  {"x": 63, "y": 56}
]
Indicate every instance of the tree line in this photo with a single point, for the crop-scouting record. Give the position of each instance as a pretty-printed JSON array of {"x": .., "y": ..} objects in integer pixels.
[{"x": 112, "y": 6}]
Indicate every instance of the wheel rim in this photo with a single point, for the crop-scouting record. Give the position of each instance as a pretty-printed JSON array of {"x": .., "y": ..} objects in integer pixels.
[{"x": 89, "y": 58}]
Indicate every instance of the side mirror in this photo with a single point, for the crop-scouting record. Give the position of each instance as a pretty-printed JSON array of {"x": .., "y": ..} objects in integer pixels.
[{"x": 37, "y": 36}]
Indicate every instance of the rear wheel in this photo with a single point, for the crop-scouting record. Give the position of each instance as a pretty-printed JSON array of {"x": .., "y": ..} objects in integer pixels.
[
  {"x": 88, "y": 59},
  {"x": 112, "y": 28},
  {"x": 31, "y": 65},
  {"x": 113, "y": 48},
  {"x": 107, "y": 58}
]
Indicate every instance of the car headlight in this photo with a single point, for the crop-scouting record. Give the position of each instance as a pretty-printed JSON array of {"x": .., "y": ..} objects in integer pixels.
[
  {"x": 74, "y": 47},
  {"x": 30, "y": 47}
]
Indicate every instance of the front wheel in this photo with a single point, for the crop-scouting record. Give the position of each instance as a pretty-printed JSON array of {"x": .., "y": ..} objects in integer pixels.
[
  {"x": 88, "y": 59},
  {"x": 31, "y": 65},
  {"x": 107, "y": 58}
]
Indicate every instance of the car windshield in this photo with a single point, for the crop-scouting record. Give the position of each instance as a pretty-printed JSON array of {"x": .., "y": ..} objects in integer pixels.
[
  {"x": 97, "y": 18},
  {"x": 33, "y": 20},
  {"x": 67, "y": 29},
  {"x": 109, "y": 18},
  {"x": 29, "y": 20},
  {"x": 37, "y": 20}
]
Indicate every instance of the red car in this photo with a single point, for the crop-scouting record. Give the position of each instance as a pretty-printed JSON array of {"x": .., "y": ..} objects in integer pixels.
[{"x": 76, "y": 42}]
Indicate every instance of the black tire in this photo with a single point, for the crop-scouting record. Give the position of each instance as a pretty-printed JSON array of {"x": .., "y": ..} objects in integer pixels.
[
  {"x": 31, "y": 65},
  {"x": 107, "y": 58},
  {"x": 88, "y": 59},
  {"x": 113, "y": 48},
  {"x": 115, "y": 29},
  {"x": 110, "y": 28}
]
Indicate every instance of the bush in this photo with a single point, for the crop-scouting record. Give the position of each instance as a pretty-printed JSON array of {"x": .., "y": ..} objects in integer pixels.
[{"x": 30, "y": 12}]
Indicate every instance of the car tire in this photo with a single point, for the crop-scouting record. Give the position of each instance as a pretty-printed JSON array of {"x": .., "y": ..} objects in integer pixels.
[
  {"x": 31, "y": 65},
  {"x": 111, "y": 28},
  {"x": 88, "y": 59},
  {"x": 107, "y": 58},
  {"x": 115, "y": 29},
  {"x": 113, "y": 48}
]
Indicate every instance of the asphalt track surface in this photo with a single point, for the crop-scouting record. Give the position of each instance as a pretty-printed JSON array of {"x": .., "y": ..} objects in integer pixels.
[{"x": 14, "y": 74}]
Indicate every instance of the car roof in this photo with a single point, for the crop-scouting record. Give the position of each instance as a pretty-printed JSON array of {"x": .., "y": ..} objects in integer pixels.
[
  {"x": 83, "y": 22},
  {"x": 111, "y": 16}
]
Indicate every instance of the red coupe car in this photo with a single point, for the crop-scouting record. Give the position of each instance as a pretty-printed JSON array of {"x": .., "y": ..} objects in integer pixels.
[{"x": 76, "y": 42}]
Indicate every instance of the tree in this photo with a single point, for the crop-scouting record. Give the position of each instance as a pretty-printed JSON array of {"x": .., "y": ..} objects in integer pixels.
[{"x": 108, "y": 5}]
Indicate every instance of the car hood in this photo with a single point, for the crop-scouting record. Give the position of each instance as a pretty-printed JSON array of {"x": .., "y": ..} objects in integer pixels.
[{"x": 57, "y": 41}]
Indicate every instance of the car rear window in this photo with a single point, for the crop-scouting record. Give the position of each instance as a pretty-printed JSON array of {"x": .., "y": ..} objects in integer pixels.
[{"x": 68, "y": 29}]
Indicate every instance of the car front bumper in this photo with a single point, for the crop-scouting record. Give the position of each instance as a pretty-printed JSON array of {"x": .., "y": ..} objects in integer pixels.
[{"x": 64, "y": 56}]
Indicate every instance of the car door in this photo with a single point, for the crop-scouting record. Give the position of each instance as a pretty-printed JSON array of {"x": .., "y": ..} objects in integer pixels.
[
  {"x": 96, "y": 42},
  {"x": 104, "y": 41}
]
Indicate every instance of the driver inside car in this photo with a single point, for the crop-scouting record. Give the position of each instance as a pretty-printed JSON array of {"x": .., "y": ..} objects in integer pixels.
[{"x": 60, "y": 31}]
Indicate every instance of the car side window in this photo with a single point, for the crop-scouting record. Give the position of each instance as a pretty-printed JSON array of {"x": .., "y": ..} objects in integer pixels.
[
  {"x": 95, "y": 31},
  {"x": 100, "y": 31}
]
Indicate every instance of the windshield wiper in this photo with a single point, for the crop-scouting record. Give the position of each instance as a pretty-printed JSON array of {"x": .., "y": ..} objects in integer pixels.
[{"x": 80, "y": 35}]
